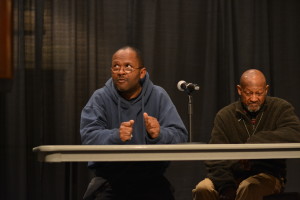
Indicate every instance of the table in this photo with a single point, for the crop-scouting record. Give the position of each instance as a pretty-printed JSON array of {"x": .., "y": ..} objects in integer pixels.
[{"x": 165, "y": 152}]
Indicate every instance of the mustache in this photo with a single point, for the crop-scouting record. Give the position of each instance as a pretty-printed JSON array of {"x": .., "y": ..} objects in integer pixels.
[{"x": 122, "y": 78}]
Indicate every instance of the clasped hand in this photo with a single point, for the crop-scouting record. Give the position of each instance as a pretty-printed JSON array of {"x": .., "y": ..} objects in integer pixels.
[{"x": 151, "y": 124}]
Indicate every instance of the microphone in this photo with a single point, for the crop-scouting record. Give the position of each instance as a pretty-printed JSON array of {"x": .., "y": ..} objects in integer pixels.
[{"x": 189, "y": 87}]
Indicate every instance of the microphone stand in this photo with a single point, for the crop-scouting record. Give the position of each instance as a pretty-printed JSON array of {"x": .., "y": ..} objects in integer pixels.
[
  {"x": 190, "y": 113},
  {"x": 189, "y": 88}
]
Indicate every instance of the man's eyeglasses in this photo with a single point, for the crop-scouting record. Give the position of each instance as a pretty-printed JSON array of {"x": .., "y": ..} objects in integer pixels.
[{"x": 127, "y": 68}]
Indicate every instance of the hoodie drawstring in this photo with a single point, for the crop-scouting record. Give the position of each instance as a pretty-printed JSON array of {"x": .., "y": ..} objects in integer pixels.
[
  {"x": 144, "y": 128},
  {"x": 119, "y": 111}
]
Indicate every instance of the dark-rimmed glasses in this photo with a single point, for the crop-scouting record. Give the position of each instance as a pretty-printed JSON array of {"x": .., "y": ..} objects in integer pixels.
[{"x": 127, "y": 68}]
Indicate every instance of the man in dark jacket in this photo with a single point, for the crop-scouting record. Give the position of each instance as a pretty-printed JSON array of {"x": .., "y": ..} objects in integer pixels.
[
  {"x": 256, "y": 118},
  {"x": 129, "y": 109}
]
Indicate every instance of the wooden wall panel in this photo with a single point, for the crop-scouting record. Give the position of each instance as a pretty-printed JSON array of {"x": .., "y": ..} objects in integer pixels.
[{"x": 6, "y": 66}]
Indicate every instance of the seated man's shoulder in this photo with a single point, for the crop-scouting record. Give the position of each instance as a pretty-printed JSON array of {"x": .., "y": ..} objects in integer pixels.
[
  {"x": 276, "y": 101},
  {"x": 158, "y": 90},
  {"x": 101, "y": 92},
  {"x": 232, "y": 106}
]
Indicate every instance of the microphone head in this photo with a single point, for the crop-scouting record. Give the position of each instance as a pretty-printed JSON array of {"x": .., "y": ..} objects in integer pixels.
[{"x": 179, "y": 85}]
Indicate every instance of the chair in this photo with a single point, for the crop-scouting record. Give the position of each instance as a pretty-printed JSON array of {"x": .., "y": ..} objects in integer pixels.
[{"x": 284, "y": 196}]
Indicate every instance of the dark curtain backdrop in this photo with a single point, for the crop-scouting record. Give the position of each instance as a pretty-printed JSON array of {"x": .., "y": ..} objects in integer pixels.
[{"x": 62, "y": 53}]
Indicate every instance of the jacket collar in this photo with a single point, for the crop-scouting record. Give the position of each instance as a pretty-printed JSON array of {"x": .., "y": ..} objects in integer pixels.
[{"x": 242, "y": 113}]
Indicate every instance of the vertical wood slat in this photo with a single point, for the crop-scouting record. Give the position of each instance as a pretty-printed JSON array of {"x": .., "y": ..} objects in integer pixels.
[{"x": 6, "y": 66}]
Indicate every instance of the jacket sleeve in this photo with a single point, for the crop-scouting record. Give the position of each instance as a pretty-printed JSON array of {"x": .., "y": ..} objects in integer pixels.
[
  {"x": 219, "y": 170},
  {"x": 172, "y": 129},
  {"x": 93, "y": 125},
  {"x": 287, "y": 126}
]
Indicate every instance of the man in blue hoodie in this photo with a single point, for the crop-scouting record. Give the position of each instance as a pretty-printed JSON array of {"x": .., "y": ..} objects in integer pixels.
[{"x": 129, "y": 109}]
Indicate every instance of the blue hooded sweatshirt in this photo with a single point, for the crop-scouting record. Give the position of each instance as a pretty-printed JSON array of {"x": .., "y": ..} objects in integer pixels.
[{"x": 106, "y": 110}]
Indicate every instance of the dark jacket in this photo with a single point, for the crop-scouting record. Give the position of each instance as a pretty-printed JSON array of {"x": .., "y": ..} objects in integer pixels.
[
  {"x": 106, "y": 110},
  {"x": 275, "y": 123}
]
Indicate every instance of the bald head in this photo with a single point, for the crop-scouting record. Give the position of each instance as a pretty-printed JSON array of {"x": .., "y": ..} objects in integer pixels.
[
  {"x": 253, "y": 89},
  {"x": 253, "y": 77}
]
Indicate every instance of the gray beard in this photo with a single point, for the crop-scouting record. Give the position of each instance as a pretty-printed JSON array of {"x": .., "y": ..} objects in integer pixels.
[{"x": 251, "y": 110}]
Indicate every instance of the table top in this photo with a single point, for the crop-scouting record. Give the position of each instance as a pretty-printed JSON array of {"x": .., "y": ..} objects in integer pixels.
[{"x": 166, "y": 152}]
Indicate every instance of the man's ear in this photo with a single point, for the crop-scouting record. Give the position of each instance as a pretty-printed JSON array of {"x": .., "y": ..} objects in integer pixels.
[
  {"x": 143, "y": 73},
  {"x": 267, "y": 89},
  {"x": 239, "y": 89}
]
